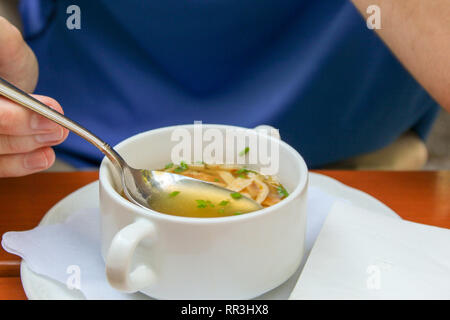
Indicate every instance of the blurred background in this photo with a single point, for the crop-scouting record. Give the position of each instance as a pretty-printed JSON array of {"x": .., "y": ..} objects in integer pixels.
[
  {"x": 438, "y": 144},
  {"x": 408, "y": 152}
]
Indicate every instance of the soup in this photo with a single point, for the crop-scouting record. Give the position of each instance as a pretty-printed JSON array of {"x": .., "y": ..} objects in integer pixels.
[{"x": 242, "y": 182}]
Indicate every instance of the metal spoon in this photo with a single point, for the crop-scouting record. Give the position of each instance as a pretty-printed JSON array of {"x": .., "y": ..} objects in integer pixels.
[{"x": 146, "y": 188}]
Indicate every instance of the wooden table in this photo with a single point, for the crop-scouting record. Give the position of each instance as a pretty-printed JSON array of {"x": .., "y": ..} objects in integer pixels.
[{"x": 422, "y": 197}]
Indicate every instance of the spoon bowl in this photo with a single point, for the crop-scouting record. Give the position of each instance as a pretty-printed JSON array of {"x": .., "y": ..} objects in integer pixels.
[{"x": 155, "y": 189}]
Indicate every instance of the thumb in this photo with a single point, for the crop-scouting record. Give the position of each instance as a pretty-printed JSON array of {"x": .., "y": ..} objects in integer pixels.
[{"x": 18, "y": 63}]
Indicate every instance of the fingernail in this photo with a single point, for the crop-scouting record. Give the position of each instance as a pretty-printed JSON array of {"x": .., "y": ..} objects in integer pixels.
[
  {"x": 38, "y": 122},
  {"x": 50, "y": 137},
  {"x": 35, "y": 160}
]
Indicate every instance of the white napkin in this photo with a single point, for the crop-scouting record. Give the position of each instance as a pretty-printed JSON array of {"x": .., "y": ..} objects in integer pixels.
[
  {"x": 363, "y": 255},
  {"x": 67, "y": 252},
  {"x": 61, "y": 251}
]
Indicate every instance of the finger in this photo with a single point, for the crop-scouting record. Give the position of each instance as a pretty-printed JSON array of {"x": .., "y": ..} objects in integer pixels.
[
  {"x": 17, "y": 165},
  {"x": 17, "y": 120},
  {"x": 18, "y": 63},
  {"x": 24, "y": 144},
  {"x": 10, "y": 35}
]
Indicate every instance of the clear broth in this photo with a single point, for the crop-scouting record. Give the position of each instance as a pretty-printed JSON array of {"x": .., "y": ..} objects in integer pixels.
[{"x": 266, "y": 190}]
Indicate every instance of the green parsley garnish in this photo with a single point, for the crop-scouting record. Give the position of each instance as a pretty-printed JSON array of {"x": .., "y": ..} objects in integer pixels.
[
  {"x": 173, "y": 194},
  {"x": 224, "y": 203},
  {"x": 236, "y": 195},
  {"x": 182, "y": 167},
  {"x": 221, "y": 210},
  {"x": 201, "y": 204},
  {"x": 242, "y": 170},
  {"x": 168, "y": 166},
  {"x": 204, "y": 203},
  {"x": 242, "y": 173},
  {"x": 244, "y": 152},
  {"x": 237, "y": 213},
  {"x": 282, "y": 191},
  {"x": 216, "y": 180}
]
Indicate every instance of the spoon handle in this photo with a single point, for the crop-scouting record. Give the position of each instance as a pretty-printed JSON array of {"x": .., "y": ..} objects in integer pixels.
[{"x": 15, "y": 94}]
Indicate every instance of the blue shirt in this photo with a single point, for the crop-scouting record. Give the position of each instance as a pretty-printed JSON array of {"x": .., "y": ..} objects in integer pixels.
[{"x": 310, "y": 68}]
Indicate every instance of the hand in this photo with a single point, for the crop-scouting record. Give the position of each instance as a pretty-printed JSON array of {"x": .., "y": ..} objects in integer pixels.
[{"x": 25, "y": 137}]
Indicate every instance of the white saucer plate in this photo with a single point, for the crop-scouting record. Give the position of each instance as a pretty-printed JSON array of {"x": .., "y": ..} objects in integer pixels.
[{"x": 39, "y": 287}]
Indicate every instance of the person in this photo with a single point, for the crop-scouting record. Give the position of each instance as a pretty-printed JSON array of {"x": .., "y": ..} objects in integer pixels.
[{"x": 313, "y": 69}]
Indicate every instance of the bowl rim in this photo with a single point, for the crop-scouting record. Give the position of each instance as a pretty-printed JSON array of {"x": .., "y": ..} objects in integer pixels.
[{"x": 108, "y": 188}]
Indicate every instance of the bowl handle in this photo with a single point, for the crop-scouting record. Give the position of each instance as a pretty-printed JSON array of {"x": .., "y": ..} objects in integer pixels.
[{"x": 120, "y": 256}]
